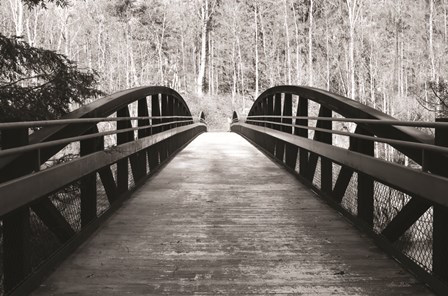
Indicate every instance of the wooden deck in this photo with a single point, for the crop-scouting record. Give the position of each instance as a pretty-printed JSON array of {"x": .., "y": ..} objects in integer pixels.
[{"x": 222, "y": 218}]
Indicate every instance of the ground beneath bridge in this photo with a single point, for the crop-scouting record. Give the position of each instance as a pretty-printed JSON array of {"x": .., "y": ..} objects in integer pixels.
[{"x": 222, "y": 218}]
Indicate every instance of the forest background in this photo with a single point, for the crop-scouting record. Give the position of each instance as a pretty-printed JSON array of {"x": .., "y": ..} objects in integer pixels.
[{"x": 221, "y": 54}]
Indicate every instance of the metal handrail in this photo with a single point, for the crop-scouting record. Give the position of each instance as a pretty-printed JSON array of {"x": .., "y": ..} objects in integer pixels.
[
  {"x": 423, "y": 146},
  {"x": 42, "y": 145},
  {"x": 357, "y": 120},
  {"x": 42, "y": 123}
]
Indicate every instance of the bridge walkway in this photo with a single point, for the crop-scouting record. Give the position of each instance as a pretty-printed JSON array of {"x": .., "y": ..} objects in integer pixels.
[{"x": 222, "y": 218}]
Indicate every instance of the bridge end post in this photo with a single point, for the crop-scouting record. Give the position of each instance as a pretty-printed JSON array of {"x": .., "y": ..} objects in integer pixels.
[
  {"x": 16, "y": 225},
  {"x": 439, "y": 166}
]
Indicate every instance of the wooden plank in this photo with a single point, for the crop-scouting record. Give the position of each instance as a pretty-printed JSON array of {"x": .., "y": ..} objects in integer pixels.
[{"x": 257, "y": 231}]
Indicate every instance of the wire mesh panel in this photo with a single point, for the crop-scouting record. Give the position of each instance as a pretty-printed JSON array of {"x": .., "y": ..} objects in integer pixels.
[
  {"x": 317, "y": 175},
  {"x": 336, "y": 171},
  {"x": 102, "y": 202},
  {"x": 43, "y": 242},
  {"x": 350, "y": 199},
  {"x": 68, "y": 203},
  {"x": 388, "y": 203},
  {"x": 416, "y": 243}
]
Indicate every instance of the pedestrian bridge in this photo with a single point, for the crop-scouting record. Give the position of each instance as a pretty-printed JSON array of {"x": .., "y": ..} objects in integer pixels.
[{"x": 132, "y": 195}]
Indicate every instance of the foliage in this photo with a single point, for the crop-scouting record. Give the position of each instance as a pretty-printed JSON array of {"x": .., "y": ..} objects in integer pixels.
[
  {"x": 397, "y": 47},
  {"x": 33, "y": 3},
  {"x": 36, "y": 83},
  {"x": 438, "y": 101}
]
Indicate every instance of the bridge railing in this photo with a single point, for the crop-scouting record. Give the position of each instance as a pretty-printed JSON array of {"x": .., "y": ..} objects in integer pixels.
[
  {"x": 60, "y": 179},
  {"x": 338, "y": 147}
]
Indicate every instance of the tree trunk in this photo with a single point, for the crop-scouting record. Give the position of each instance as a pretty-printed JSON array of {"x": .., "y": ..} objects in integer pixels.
[
  {"x": 203, "y": 57},
  {"x": 296, "y": 26},
  {"x": 288, "y": 47},
  {"x": 431, "y": 37},
  {"x": 256, "y": 51},
  {"x": 310, "y": 45},
  {"x": 354, "y": 8}
]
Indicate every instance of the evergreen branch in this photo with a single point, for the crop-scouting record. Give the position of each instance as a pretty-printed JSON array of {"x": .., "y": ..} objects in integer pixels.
[{"x": 20, "y": 80}]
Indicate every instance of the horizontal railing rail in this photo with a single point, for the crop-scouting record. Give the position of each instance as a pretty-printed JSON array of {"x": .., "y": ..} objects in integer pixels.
[
  {"x": 388, "y": 176},
  {"x": 357, "y": 120},
  {"x": 422, "y": 146},
  {"x": 59, "y": 179},
  {"x": 42, "y": 123}
]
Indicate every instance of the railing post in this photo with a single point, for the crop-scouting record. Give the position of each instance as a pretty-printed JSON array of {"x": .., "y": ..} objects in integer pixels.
[
  {"x": 122, "y": 165},
  {"x": 142, "y": 156},
  {"x": 155, "y": 112},
  {"x": 439, "y": 166},
  {"x": 269, "y": 142},
  {"x": 279, "y": 144},
  {"x": 16, "y": 225},
  {"x": 170, "y": 112},
  {"x": 270, "y": 109},
  {"x": 290, "y": 150},
  {"x": 163, "y": 146},
  {"x": 302, "y": 110},
  {"x": 365, "y": 182},
  {"x": 154, "y": 149},
  {"x": 88, "y": 183},
  {"x": 326, "y": 165}
]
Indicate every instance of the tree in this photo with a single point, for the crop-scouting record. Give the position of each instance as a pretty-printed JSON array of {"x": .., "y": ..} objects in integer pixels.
[
  {"x": 36, "y": 83},
  {"x": 39, "y": 84}
]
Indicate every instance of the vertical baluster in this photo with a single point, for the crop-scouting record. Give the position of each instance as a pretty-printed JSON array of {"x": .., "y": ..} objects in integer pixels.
[
  {"x": 122, "y": 165},
  {"x": 154, "y": 149},
  {"x": 163, "y": 146},
  {"x": 88, "y": 183},
  {"x": 142, "y": 155},
  {"x": 290, "y": 150},
  {"x": 269, "y": 110},
  {"x": 365, "y": 182},
  {"x": 326, "y": 166},
  {"x": 279, "y": 144},
  {"x": 302, "y": 110}
]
